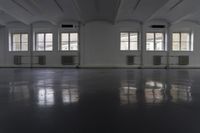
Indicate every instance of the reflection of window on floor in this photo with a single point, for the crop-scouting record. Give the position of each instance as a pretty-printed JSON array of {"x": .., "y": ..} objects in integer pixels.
[
  {"x": 128, "y": 92},
  {"x": 45, "y": 96},
  {"x": 181, "y": 93},
  {"x": 154, "y": 92},
  {"x": 19, "y": 91},
  {"x": 46, "y": 82},
  {"x": 70, "y": 95}
]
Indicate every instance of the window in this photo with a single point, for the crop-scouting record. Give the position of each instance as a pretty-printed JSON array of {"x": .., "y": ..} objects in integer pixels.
[
  {"x": 19, "y": 42},
  {"x": 129, "y": 41},
  {"x": 69, "y": 42},
  {"x": 44, "y": 42},
  {"x": 182, "y": 42},
  {"x": 155, "y": 42}
]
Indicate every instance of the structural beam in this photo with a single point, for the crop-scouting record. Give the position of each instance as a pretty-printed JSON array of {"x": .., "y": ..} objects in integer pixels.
[
  {"x": 117, "y": 10},
  {"x": 14, "y": 10},
  {"x": 158, "y": 11},
  {"x": 78, "y": 9}
]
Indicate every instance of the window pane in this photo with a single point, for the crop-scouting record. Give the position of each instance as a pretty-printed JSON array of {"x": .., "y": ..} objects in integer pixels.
[
  {"x": 150, "y": 37},
  {"x": 40, "y": 37},
  {"x": 185, "y": 37},
  {"x": 133, "y": 45},
  {"x": 24, "y": 46},
  {"x": 159, "y": 46},
  {"x": 134, "y": 37},
  {"x": 49, "y": 46},
  {"x": 64, "y": 46},
  {"x": 73, "y": 46},
  {"x": 124, "y": 37},
  {"x": 150, "y": 46},
  {"x": 176, "y": 46},
  {"x": 150, "y": 41},
  {"x": 124, "y": 46},
  {"x": 73, "y": 37},
  {"x": 16, "y": 37},
  {"x": 40, "y": 46},
  {"x": 16, "y": 46},
  {"x": 185, "y": 46},
  {"x": 176, "y": 37},
  {"x": 159, "y": 37},
  {"x": 25, "y": 38},
  {"x": 64, "y": 37},
  {"x": 49, "y": 37}
]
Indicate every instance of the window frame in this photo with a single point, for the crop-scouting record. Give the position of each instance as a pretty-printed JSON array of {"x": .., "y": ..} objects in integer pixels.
[
  {"x": 180, "y": 42},
  {"x": 129, "y": 40},
  {"x": 10, "y": 49},
  {"x": 35, "y": 44},
  {"x": 154, "y": 42},
  {"x": 69, "y": 41}
]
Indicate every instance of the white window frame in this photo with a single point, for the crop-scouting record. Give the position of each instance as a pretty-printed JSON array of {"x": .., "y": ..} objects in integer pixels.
[
  {"x": 154, "y": 42},
  {"x": 180, "y": 42},
  {"x": 69, "y": 41},
  {"x": 129, "y": 40},
  {"x": 35, "y": 44},
  {"x": 12, "y": 43}
]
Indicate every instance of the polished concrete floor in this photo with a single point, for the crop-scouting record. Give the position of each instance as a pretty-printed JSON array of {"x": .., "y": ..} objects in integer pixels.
[{"x": 99, "y": 101}]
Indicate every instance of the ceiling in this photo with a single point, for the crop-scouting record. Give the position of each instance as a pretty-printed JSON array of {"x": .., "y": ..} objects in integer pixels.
[{"x": 57, "y": 11}]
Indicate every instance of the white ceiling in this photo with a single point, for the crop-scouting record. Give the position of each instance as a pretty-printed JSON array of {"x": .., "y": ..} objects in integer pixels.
[{"x": 56, "y": 11}]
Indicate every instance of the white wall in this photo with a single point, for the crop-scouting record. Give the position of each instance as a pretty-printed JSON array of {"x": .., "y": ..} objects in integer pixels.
[{"x": 100, "y": 44}]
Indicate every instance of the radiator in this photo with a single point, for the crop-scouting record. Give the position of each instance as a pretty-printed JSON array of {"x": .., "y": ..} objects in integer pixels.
[
  {"x": 157, "y": 60},
  {"x": 17, "y": 60},
  {"x": 130, "y": 60},
  {"x": 68, "y": 60},
  {"x": 42, "y": 60},
  {"x": 183, "y": 60}
]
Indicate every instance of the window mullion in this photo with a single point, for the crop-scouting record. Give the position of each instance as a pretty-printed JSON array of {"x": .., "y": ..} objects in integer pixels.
[
  {"x": 180, "y": 47},
  {"x": 128, "y": 41},
  {"x": 44, "y": 42},
  {"x": 12, "y": 42},
  {"x": 20, "y": 42},
  {"x": 137, "y": 41},
  {"x": 163, "y": 41},
  {"x": 154, "y": 42},
  {"x": 69, "y": 41},
  {"x": 190, "y": 42}
]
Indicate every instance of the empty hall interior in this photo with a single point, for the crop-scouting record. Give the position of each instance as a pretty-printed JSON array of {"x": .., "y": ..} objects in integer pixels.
[{"x": 99, "y": 66}]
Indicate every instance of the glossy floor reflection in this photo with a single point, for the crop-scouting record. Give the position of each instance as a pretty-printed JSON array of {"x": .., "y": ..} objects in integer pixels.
[{"x": 99, "y": 101}]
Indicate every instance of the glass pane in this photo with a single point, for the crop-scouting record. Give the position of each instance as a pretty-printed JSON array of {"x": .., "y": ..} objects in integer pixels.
[
  {"x": 40, "y": 37},
  {"x": 49, "y": 37},
  {"x": 176, "y": 46},
  {"x": 159, "y": 46},
  {"x": 64, "y": 46},
  {"x": 185, "y": 46},
  {"x": 73, "y": 37},
  {"x": 25, "y": 38},
  {"x": 124, "y": 46},
  {"x": 64, "y": 37},
  {"x": 49, "y": 47},
  {"x": 133, "y": 45},
  {"x": 16, "y": 37},
  {"x": 134, "y": 37},
  {"x": 159, "y": 37},
  {"x": 176, "y": 37},
  {"x": 150, "y": 37},
  {"x": 40, "y": 46},
  {"x": 16, "y": 46},
  {"x": 24, "y": 46},
  {"x": 150, "y": 46},
  {"x": 185, "y": 37},
  {"x": 73, "y": 46},
  {"x": 124, "y": 37}
]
